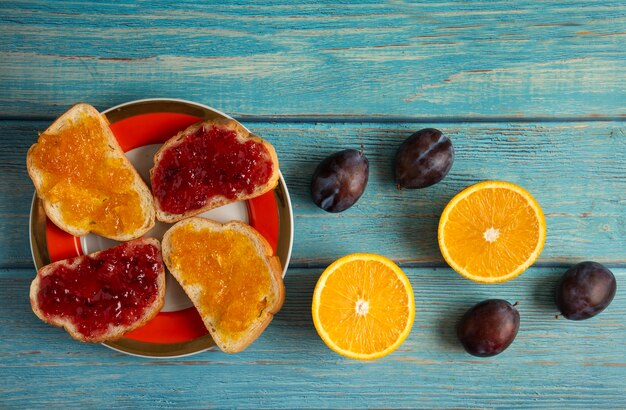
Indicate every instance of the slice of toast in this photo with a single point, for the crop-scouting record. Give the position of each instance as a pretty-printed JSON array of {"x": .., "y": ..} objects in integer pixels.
[
  {"x": 230, "y": 275},
  {"x": 210, "y": 164},
  {"x": 85, "y": 181},
  {"x": 104, "y": 295}
]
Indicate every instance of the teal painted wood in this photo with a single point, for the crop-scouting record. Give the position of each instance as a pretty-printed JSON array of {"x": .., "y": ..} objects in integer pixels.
[
  {"x": 439, "y": 59},
  {"x": 439, "y": 63},
  {"x": 575, "y": 170},
  {"x": 553, "y": 363}
]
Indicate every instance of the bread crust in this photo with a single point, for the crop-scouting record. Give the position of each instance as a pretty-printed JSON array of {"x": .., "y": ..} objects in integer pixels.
[
  {"x": 276, "y": 298},
  {"x": 114, "y": 332},
  {"x": 53, "y": 210},
  {"x": 242, "y": 135}
]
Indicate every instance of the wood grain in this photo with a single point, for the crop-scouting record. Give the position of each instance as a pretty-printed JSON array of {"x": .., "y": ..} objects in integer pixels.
[
  {"x": 553, "y": 363},
  {"x": 575, "y": 170},
  {"x": 529, "y": 92},
  {"x": 438, "y": 59}
]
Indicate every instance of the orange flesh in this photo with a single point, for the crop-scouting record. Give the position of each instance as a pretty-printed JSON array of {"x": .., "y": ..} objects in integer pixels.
[
  {"x": 93, "y": 192},
  {"x": 235, "y": 281},
  {"x": 508, "y": 213},
  {"x": 387, "y": 307}
]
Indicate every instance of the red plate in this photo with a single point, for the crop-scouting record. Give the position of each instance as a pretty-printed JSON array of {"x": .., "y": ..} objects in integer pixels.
[{"x": 147, "y": 122}]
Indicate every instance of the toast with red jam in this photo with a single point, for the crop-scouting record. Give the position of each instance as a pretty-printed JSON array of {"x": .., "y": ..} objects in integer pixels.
[
  {"x": 104, "y": 295},
  {"x": 210, "y": 164}
]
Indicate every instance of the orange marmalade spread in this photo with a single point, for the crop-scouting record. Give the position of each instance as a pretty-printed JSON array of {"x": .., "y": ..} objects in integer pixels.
[
  {"x": 91, "y": 189},
  {"x": 235, "y": 281}
]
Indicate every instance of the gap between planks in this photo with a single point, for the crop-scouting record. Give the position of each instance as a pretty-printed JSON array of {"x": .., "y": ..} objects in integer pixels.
[
  {"x": 383, "y": 119},
  {"x": 321, "y": 265}
]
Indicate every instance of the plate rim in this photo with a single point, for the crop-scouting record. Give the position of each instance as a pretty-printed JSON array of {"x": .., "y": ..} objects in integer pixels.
[{"x": 281, "y": 191}]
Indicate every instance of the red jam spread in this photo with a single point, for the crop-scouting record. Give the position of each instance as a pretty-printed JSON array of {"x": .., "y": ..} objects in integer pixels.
[
  {"x": 113, "y": 288},
  {"x": 210, "y": 162}
]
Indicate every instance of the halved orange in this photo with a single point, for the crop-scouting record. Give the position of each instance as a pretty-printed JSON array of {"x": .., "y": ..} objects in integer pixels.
[
  {"x": 363, "y": 306},
  {"x": 492, "y": 231}
]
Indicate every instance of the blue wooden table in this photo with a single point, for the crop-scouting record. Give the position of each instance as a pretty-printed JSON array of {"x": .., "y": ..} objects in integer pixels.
[{"x": 529, "y": 92}]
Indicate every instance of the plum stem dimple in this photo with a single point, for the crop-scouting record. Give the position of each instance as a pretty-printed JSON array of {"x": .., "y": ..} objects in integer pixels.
[
  {"x": 491, "y": 235},
  {"x": 362, "y": 307}
]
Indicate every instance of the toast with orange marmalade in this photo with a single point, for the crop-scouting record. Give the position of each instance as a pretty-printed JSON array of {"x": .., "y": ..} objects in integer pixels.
[
  {"x": 230, "y": 275},
  {"x": 85, "y": 181}
]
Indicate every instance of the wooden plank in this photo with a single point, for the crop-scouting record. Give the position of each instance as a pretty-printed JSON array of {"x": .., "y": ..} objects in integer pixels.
[
  {"x": 429, "y": 60},
  {"x": 553, "y": 363},
  {"x": 575, "y": 170},
  {"x": 17, "y": 192}
]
